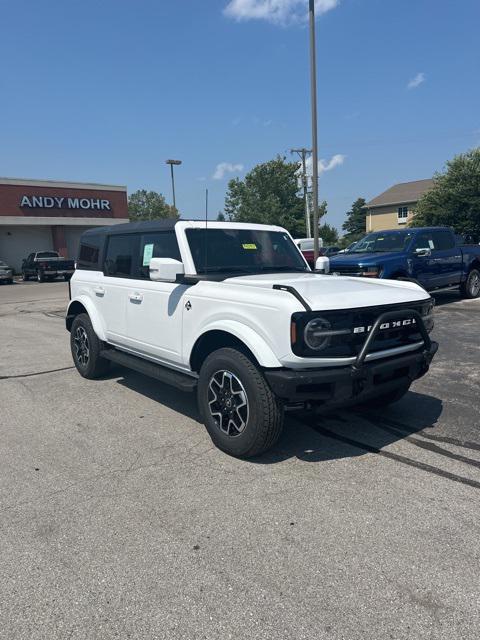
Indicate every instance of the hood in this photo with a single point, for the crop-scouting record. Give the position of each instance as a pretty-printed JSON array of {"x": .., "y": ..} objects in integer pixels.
[
  {"x": 325, "y": 292},
  {"x": 354, "y": 259}
]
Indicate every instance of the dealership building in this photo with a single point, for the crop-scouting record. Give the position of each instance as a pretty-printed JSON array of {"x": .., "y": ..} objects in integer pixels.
[{"x": 45, "y": 215}]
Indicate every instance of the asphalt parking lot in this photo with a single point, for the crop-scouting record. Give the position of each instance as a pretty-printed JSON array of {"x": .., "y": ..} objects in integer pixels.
[{"x": 119, "y": 519}]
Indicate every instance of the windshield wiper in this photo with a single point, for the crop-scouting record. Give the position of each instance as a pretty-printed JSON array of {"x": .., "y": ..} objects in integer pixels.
[
  {"x": 224, "y": 270},
  {"x": 283, "y": 268}
]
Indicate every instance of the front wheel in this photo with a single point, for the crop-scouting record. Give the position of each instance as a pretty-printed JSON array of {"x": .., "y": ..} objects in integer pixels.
[
  {"x": 471, "y": 287},
  {"x": 242, "y": 415},
  {"x": 86, "y": 347},
  {"x": 40, "y": 276}
]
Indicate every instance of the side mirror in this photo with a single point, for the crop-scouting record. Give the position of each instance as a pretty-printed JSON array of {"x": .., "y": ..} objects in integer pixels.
[
  {"x": 165, "y": 269},
  {"x": 423, "y": 253},
  {"x": 322, "y": 265}
]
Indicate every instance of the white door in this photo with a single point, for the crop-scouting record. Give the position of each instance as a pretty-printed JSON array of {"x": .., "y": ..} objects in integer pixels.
[
  {"x": 155, "y": 309},
  {"x": 154, "y": 319}
]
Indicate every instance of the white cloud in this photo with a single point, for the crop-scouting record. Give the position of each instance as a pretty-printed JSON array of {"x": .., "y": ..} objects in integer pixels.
[
  {"x": 416, "y": 81},
  {"x": 324, "y": 165},
  {"x": 223, "y": 168},
  {"x": 281, "y": 12}
]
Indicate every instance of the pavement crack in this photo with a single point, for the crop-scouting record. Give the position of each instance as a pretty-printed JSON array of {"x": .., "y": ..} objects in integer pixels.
[
  {"x": 35, "y": 373},
  {"x": 465, "y": 444},
  {"x": 393, "y": 456}
]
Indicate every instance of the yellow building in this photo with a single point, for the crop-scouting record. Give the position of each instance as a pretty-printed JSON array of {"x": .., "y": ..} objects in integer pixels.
[{"x": 393, "y": 208}]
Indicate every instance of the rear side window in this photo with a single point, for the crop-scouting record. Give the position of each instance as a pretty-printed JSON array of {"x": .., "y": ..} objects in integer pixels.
[
  {"x": 443, "y": 240},
  {"x": 156, "y": 245},
  {"x": 120, "y": 256},
  {"x": 89, "y": 253}
]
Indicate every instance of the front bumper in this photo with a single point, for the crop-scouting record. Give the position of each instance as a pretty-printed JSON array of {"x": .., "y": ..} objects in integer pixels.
[
  {"x": 362, "y": 379},
  {"x": 346, "y": 385}
]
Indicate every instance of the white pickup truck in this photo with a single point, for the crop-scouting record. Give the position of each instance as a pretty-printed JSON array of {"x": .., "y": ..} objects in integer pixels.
[{"x": 234, "y": 312}]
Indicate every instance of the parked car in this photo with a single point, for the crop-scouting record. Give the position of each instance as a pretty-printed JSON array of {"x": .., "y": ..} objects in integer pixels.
[
  {"x": 235, "y": 313},
  {"x": 306, "y": 247},
  {"x": 348, "y": 249},
  {"x": 47, "y": 265},
  {"x": 6, "y": 273},
  {"x": 431, "y": 256}
]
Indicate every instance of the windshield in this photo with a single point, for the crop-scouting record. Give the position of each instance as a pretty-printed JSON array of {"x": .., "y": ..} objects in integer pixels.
[
  {"x": 383, "y": 242},
  {"x": 243, "y": 250},
  {"x": 47, "y": 254}
]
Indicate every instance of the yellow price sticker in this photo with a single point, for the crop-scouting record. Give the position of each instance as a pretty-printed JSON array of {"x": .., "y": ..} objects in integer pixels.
[{"x": 249, "y": 246}]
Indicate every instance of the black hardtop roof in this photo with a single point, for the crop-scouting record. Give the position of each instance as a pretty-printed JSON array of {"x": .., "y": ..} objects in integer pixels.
[{"x": 165, "y": 224}]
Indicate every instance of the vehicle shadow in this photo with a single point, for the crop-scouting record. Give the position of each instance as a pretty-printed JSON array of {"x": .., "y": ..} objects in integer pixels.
[{"x": 308, "y": 436}]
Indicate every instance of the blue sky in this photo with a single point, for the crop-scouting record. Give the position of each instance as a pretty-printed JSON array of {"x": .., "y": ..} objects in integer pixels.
[{"x": 106, "y": 91}]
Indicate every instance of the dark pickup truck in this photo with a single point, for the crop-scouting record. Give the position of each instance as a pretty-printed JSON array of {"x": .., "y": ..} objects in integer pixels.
[
  {"x": 47, "y": 265},
  {"x": 434, "y": 257}
]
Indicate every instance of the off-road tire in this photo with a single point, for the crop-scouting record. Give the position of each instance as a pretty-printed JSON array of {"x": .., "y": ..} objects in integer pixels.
[
  {"x": 95, "y": 366},
  {"x": 265, "y": 412},
  {"x": 470, "y": 288},
  {"x": 387, "y": 398}
]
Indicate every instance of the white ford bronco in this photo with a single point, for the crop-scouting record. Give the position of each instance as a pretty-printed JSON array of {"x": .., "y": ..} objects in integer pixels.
[{"x": 234, "y": 312}]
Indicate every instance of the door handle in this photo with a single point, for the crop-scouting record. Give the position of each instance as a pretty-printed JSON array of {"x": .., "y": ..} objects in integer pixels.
[
  {"x": 135, "y": 297},
  {"x": 99, "y": 291}
]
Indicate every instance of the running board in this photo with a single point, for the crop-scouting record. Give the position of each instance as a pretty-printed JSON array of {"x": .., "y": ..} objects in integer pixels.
[{"x": 164, "y": 374}]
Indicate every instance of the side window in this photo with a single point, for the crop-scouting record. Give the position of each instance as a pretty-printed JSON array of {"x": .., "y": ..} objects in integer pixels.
[
  {"x": 89, "y": 253},
  {"x": 424, "y": 241},
  {"x": 156, "y": 245},
  {"x": 119, "y": 257},
  {"x": 443, "y": 240}
]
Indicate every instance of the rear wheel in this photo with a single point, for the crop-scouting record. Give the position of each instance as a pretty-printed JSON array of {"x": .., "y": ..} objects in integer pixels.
[
  {"x": 471, "y": 287},
  {"x": 242, "y": 415},
  {"x": 86, "y": 348},
  {"x": 387, "y": 398}
]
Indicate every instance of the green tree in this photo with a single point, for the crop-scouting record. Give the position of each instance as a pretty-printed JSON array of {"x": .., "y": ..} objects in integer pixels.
[
  {"x": 454, "y": 200},
  {"x": 269, "y": 195},
  {"x": 328, "y": 234},
  {"x": 221, "y": 217},
  {"x": 149, "y": 205},
  {"x": 354, "y": 224}
]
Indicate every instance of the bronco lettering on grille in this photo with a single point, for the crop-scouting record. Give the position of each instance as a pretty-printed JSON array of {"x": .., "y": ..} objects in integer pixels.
[{"x": 395, "y": 324}]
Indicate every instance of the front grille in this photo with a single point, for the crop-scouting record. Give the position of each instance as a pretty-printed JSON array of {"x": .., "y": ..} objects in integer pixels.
[
  {"x": 345, "y": 270},
  {"x": 345, "y": 346}
]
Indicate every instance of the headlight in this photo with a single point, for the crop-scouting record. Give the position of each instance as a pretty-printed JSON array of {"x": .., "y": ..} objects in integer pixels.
[
  {"x": 370, "y": 272},
  {"x": 318, "y": 333}
]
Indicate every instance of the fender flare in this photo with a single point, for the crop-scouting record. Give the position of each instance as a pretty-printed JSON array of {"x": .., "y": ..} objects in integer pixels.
[
  {"x": 93, "y": 314},
  {"x": 257, "y": 345}
]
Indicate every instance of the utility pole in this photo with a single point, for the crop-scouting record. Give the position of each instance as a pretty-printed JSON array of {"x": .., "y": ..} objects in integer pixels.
[
  {"x": 171, "y": 163},
  {"x": 303, "y": 155},
  {"x": 313, "y": 91}
]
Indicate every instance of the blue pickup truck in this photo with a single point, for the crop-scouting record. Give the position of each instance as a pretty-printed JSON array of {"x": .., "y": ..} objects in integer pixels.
[{"x": 434, "y": 257}]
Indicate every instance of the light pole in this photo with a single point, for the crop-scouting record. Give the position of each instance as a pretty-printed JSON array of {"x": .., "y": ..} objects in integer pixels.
[
  {"x": 303, "y": 155},
  {"x": 171, "y": 163},
  {"x": 313, "y": 91}
]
